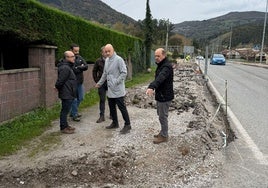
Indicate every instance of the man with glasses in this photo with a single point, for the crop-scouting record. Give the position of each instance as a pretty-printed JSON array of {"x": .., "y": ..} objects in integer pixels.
[{"x": 67, "y": 86}]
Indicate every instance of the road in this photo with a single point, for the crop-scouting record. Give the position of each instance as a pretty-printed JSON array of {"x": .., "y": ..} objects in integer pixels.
[
  {"x": 247, "y": 96},
  {"x": 247, "y": 99}
]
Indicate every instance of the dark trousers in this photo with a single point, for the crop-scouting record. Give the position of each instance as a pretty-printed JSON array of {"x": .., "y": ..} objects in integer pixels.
[
  {"x": 122, "y": 107},
  {"x": 102, "y": 94},
  {"x": 65, "y": 109}
]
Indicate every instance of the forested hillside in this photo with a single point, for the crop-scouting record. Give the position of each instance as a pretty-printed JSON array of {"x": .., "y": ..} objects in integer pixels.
[
  {"x": 246, "y": 27},
  {"x": 211, "y": 28},
  {"x": 94, "y": 10}
]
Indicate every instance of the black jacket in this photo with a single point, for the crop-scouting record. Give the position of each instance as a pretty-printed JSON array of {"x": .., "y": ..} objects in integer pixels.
[
  {"x": 66, "y": 82},
  {"x": 98, "y": 71},
  {"x": 80, "y": 66},
  {"x": 163, "y": 83}
]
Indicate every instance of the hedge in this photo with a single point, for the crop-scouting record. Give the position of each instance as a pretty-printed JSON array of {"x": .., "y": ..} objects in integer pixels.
[{"x": 30, "y": 22}]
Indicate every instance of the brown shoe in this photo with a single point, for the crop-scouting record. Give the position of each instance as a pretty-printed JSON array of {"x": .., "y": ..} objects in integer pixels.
[
  {"x": 160, "y": 139},
  {"x": 71, "y": 128},
  {"x": 67, "y": 131},
  {"x": 101, "y": 119},
  {"x": 157, "y": 135}
]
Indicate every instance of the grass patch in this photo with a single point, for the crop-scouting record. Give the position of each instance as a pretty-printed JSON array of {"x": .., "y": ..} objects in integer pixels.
[
  {"x": 140, "y": 78},
  {"x": 44, "y": 143},
  {"x": 17, "y": 132}
]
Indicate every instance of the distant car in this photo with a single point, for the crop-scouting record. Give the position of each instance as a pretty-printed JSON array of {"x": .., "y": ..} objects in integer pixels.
[
  {"x": 199, "y": 57},
  {"x": 217, "y": 59}
]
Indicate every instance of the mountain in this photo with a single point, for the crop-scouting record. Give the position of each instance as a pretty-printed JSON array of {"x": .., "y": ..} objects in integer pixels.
[
  {"x": 246, "y": 26},
  {"x": 211, "y": 28},
  {"x": 93, "y": 10}
]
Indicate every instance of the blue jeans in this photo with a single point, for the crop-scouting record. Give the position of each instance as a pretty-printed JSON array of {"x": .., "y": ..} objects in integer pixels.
[
  {"x": 65, "y": 109},
  {"x": 162, "y": 112},
  {"x": 78, "y": 100}
]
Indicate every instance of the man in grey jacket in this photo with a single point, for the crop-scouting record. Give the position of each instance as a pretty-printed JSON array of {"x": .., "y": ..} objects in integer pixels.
[{"x": 115, "y": 72}]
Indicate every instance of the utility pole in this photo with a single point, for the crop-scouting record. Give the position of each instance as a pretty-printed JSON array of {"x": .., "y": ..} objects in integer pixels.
[
  {"x": 230, "y": 42},
  {"x": 263, "y": 34}
]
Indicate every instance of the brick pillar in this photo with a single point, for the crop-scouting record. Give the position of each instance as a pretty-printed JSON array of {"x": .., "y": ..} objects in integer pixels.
[{"x": 43, "y": 57}]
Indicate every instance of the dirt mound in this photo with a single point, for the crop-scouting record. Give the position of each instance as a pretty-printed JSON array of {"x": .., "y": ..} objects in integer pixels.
[{"x": 95, "y": 157}]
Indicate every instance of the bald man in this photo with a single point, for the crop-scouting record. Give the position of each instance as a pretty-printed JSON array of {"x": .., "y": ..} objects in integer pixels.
[
  {"x": 115, "y": 72},
  {"x": 66, "y": 85},
  {"x": 162, "y": 87}
]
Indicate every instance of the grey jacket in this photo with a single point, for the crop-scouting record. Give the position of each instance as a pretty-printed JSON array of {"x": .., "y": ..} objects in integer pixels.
[{"x": 115, "y": 72}]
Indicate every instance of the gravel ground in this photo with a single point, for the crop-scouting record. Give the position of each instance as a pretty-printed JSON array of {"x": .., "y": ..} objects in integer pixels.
[{"x": 97, "y": 157}]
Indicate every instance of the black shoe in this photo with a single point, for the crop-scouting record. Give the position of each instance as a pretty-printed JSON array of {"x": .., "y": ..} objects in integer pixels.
[
  {"x": 112, "y": 126},
  {"x": 101, "y": 119},
  {"x": 76, "y": 118},
  {"x": 78, "y": 115},
  {"x": 126, "y": 129}
]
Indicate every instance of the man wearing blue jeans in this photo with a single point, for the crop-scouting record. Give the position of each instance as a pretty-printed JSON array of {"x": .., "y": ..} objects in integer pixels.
[
  {"x": 162, "y": 86},
  {"x": 80, "y": 66}
]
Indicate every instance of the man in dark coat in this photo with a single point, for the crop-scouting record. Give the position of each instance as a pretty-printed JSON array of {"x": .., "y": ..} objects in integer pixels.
[
  {"x": 97, "y": 73},
  {"x": 66, "y": 85},
  {"x": 162, "y": 86}
]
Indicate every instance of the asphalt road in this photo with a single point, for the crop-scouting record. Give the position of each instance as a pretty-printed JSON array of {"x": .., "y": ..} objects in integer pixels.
[{"x": 247, "y": 98}]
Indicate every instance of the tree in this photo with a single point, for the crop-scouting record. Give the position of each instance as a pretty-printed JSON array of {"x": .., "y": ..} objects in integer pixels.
[
  {"x": 148, "y": 35},
  {"x": 175, "y": 40}
]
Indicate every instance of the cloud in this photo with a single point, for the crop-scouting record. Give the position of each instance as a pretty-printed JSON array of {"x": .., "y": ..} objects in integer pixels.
[{"x": 181, "y": 10}]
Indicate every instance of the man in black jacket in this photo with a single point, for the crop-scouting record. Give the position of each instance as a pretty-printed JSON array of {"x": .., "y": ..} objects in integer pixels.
[
  {"x": 80, "y": 66},
  {"x": 97, "y": 73},
  {"x": 67, "y": 89},
  {"x": 163, "y": 88}
]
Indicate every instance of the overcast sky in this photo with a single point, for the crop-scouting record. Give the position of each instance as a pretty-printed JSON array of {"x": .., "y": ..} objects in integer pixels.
[{"x": 178, "y": 11}]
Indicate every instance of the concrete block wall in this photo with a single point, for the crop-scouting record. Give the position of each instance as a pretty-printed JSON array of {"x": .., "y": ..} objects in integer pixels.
[{"x": 19, "y": 92}]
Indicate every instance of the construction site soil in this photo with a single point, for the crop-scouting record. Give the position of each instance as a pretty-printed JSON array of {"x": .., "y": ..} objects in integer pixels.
[{"x": 98, "y": 157}]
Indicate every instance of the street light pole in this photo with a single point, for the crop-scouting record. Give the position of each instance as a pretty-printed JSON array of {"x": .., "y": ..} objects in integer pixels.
[
  {"x": 230, "y": 43},
  {"x": 263, "y": 34}
]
